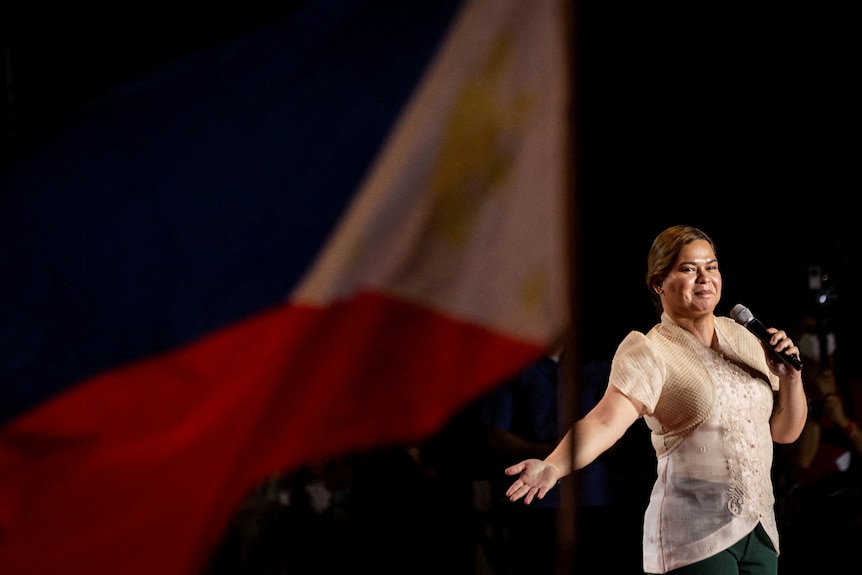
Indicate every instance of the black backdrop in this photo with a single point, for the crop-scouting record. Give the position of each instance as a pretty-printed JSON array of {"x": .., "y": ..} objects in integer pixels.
[{"x": 735, "y": 117}]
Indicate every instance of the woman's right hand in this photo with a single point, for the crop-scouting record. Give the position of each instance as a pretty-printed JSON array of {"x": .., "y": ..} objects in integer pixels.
[{"x": 535, "y": 479}]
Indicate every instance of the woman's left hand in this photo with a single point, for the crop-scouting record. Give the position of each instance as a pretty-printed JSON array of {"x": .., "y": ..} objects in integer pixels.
[{"x": 781, "y": 344}]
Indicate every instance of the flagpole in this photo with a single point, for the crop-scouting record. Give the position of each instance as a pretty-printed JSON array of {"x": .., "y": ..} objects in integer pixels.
[{"x": 567, "y": 526}]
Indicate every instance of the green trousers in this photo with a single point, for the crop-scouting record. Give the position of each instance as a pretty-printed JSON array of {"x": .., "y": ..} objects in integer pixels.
[{"x": 751, "y": 555}]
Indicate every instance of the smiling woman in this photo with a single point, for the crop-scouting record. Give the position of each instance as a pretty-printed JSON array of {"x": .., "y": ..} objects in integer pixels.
[
  {"x": 734, "y": 118},
  {"x": 710, "y": 394}
]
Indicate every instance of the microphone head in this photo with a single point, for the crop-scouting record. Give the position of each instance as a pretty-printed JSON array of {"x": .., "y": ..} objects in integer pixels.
[{"x": 741, "y": 314}]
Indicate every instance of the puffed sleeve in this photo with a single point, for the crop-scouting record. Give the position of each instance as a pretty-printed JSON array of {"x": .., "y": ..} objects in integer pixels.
[{"x": 638, "y": 371}]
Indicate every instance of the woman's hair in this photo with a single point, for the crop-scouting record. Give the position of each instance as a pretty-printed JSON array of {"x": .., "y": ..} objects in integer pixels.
[{"x": 663, "y": 253}]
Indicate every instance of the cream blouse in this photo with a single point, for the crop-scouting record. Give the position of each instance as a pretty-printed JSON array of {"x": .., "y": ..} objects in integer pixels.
[{"x": 709, "y": 417}]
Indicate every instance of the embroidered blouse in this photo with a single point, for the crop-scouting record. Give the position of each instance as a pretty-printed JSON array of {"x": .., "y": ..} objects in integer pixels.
[{"x": 708, "y": 414}]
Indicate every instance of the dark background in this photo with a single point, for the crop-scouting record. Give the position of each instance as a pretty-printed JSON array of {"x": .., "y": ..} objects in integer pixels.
[{"x": 734, "y": 117}]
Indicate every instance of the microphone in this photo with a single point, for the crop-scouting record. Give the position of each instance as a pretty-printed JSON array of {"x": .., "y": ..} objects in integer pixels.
[{"x": 743, "y": 316}]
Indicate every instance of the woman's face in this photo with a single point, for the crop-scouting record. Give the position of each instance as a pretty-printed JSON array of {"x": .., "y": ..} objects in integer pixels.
[{"x": 693, "y": 286}]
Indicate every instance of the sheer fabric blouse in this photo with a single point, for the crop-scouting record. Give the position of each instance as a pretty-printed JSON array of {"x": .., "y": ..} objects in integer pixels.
[{"x": 708, "y": 414}]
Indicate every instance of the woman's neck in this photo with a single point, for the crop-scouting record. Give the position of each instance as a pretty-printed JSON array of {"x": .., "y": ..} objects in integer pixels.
[{"x": 702, "y": 328}]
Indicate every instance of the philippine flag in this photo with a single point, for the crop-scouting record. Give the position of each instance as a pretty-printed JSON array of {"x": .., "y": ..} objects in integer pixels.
[{"x": 326, "y": 235}]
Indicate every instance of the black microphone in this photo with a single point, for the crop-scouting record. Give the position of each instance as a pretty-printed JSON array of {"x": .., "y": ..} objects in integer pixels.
[{"x": 743, "y": 316}]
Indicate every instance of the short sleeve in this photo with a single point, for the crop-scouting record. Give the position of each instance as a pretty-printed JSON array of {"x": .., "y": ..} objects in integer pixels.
[{"x": 638, "y": 371}]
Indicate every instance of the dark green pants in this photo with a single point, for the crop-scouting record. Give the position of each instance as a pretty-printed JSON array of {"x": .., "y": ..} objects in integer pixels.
[{"x": 751, "y": 555}]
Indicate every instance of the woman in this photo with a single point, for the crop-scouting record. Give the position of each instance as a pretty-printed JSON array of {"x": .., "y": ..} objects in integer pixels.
[{"x": 715, "y": 400}]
